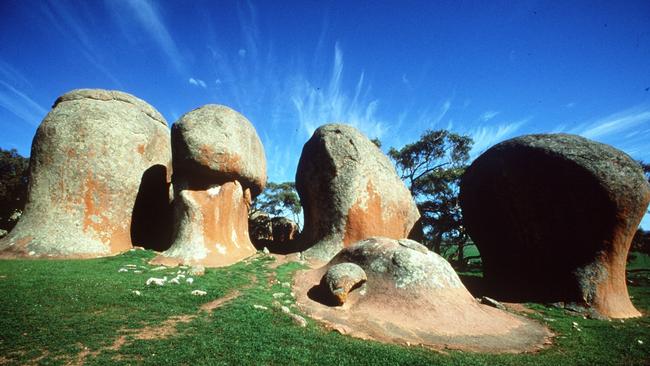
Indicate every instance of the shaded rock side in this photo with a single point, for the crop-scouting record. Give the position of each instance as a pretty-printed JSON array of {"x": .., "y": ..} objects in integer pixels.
[
  {"x": 215, "y": 144},
  {"x": 211, "y": 227},
  {"x": 88, "y": 161},
  {"x": 553, "y": 216},
  {"x": 349, "y": 191},
  {"x": 413, "y": 296}
]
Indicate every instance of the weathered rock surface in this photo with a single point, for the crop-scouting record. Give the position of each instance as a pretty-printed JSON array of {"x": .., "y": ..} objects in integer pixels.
[
  {"x": 413, "y": 296},
  {"x": 553, "y": 217},
  {"x": 349, "y": 191},
  {"x": 92, "y": 155},
  {"x": 283, "y": 230},
  {"x": 342, "y": 278},
  {"x": 277, "y": 234},
  {"x": 219, "y": 165},
  {"x": 216, "y": 144}
]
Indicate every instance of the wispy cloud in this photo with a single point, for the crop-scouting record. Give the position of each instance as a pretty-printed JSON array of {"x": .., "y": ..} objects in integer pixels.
[
  {"x": 148, "y": 17},
  {"x": 488, "y": 115},
  {"x": 21, "y": 105},
  {"x": 315, "y": 106},
  {"x": 73, "y": 26},
  {"x": 486, "y": 136},
  {"x": 615, "y": 123},
  {"x": 197, "y": 82}
]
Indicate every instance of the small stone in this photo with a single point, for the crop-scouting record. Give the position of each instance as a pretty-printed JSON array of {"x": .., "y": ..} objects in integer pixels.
[
  {"x": 32, "y": 253},
  {"x": 199, "y": 293},
  {"x": 342, "y": 278},
  {"x": 278, "y": 295},
  {"x": 136, "y": 292},
  {"x": 3, "y": 233},
  {"x": 189, "y": 280},
  {"x": 298, "y": 320},
  {"x": 197, "y": 270},
  {"x": 137, "y": 271},
  {"x": 174, "y": 281},
  {"x": 286, "y": 284},
  {"x": 639, "y": 341},
  {"x": 122, "y": 270},
  {"x": 285, "y": 309},
  {"x": 492, "y": 302},
  {"x": 159, "y": 268},
  {"x": 130, "y": 265},
  {"x": 266, "y": 250},
  {"x": 156, "y": 281},
  {"x": 260, "y": 307}
]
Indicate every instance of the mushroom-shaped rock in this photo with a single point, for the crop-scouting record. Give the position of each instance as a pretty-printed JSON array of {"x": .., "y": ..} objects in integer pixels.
[
  {"x": 219, "y": 165},
  {"x": 99, "y": 178},
  {"x": 349, "y": 191},
  {"x": 215, "y": 144},
  {"x": 342, "y": 278},
  {"x": 412, "y": 295},
  {"x": 553, "y": 216}
]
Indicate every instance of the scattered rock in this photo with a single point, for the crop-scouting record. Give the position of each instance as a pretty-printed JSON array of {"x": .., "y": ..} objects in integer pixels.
[
  {"x": 266, "y": 251},
  {"x": 219, "y": 167},
  {"x": 156, "y": 281},
  {"x": 3, "y": 233},
  {"x": 136, "y": 292},
  {"x": 260, "y": 307},
  {"x": 119, "y": 147},
  {"x": 298, "y": 320},
  {"x": 122, "y": 270},
  {"x": 529, "y": 198},
  {"x": 342, "y": 278},
  {"x": 349, "y": 191},
  {"x": 161, "y": 268},
  {"x": 278, "y": 295},
  {"x": 175, "y": 281},
  {"x": 197, "y": 270},
  {"x": 285, "y": 309},
  {"x": 189, "y": 280},
  {"x": 492, "y": 302},
  {"x": 199, "y": 293}
]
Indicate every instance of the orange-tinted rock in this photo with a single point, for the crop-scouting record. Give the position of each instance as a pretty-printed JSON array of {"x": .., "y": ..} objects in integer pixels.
[
  {"x": 349, "y": 191},
  {"x": 409, "y": 295},
  {"x": 219, "y": 166},
  {"x": 553, "y": 217},
  {"x": 211, "y": 227},
  {"x": 88, "y": 161}
]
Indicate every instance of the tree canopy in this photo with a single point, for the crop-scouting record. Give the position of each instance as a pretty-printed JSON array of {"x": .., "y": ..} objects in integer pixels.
[
  {"x": 13, "y": 186},
  {"x": 278, "y": 199},
  {"x": 431, "y": 168}
]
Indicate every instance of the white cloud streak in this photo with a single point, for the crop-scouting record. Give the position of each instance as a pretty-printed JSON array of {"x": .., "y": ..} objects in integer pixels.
[
  {"x": 615, "y": 124},
  {"x": 486, "y": 136},
  {"x": 488, "y": 115},
  {"x": 197, "y": 82},
  {"x": 69, "y": 24},
  {"x": 21, "y": 105},
  {"x": 315, "y": 107},
  {"x": 149, "y": 19}
]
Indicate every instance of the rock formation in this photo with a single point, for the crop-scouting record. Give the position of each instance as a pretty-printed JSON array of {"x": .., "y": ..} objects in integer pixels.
[
  {"x": 349, "y": 191},
  {"x": 91, "y": 156},
  {"x": 553, "y": 217},
  {"x": 219, "y": 166},
  {"x": 411, "y": 295}
]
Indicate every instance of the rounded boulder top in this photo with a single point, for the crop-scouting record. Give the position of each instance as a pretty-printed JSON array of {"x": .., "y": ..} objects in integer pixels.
[
  {"x": 216, "y": 144},
  {"x": 107, "y": 95},
  {"x": 349, "y": 191}
]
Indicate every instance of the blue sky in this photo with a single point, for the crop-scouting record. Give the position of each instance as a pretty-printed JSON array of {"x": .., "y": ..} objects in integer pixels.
[{"x": 493, "y": 70}]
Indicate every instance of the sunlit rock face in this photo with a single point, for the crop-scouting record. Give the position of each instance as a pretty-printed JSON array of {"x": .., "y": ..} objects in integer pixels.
[
  {"x": 99, "y": 171},
  {"x": 398, "y": 291},
  {"x": 553, "y": 216},
  {"x": 349, "y": 191},
  {"x": 219, "y": 166}
]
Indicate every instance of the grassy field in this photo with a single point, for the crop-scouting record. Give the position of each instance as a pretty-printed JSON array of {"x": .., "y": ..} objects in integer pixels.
[{"x": 87, "y": 312}]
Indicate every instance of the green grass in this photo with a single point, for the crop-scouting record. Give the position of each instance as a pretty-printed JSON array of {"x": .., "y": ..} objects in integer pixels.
[{"x": 51, "y": 310}]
